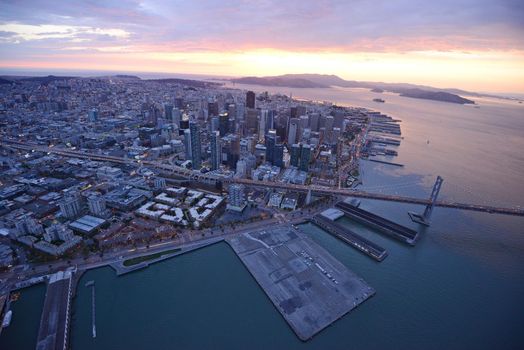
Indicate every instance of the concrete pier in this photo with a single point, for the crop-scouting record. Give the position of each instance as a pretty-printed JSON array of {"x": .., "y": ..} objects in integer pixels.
[
  {"x": 390, "y": 228},
  {"x": 308, "y": 286},
  {"x": 54, "y": 324},
  {"x": 353, "y": 239}
]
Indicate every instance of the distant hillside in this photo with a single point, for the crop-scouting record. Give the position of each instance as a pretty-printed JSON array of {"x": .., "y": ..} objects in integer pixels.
[
  {"x": 323, "y": 81},
  {"x": 46, "y": 80},
  {"x": 436, "y": 95},
  {"x": 282, "y": 80},
  {"x": 188, "y": 82},
  {"x": 5, "y": 81}
]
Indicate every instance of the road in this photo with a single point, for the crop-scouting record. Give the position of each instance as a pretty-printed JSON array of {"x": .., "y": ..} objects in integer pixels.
[{"x": 197, "y": 176}]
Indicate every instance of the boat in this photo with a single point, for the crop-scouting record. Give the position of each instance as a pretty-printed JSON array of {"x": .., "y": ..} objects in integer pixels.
[
  {"x": 378, "y": 100},
  {"x": 7, "y": 319},
  {"x": 90, "y": 283}
]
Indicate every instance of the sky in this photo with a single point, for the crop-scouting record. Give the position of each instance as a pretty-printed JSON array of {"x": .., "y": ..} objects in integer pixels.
[{"x": 470, "y": 44}]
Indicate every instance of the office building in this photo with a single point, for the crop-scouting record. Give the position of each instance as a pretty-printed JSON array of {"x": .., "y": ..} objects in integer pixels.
[
  {"x": 196, "y": 149},
  {"x": 97, "y": 205},
  {"x": 216, "y": 150},
  {"x": 236, "y": 197},
  {"x": 250, "y": 99},
  {"x": 71, "y": 205}
]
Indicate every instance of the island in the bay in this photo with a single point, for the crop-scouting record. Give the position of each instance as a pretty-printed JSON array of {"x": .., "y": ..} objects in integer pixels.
[{"x": 326, "y": 81}]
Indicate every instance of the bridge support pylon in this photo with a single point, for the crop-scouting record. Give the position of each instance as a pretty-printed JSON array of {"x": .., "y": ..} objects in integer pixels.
[{"x": 424, "y": 218}]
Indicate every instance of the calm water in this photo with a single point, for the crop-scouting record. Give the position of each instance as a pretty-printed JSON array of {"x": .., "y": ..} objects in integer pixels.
[
  {"x": 460, "y": 287},
  {"x": 23, "y": 330}
]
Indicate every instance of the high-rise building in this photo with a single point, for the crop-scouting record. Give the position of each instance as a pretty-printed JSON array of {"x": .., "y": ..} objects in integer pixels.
[
  {"x": 305, "y": 157},
  {"x": 187, "y": 143},
  {"x": 168, "y": 112},
  {"x": 338, "y": 119},
  {"x": 278, "y": 155},
  {"x": 271, "y": 141},
  {"x": 293, "y": 130},
  {"x": 215, "y": 124},
  {"x": 176, "y": 116},
  {"x": 92, "y": 115},
  {"x": 97, "y": 205},
  {"x": 252, "y": 121},
  {"x": 250, "y": 99},
  {"x": 295, "y": 155},
  {"x": 212, "y": 108},
  {"x": 314, "y": 119},
  {"x": 262, "y": 123},
  {"x": 236, "y": 197},
  {"x": 223, "y": 123},
  {"x": 196, "y": 149},
  {"x": 179, "y": 103},
  {"x": 71, "y": 205},
  {"x": 216, "y": 150}
]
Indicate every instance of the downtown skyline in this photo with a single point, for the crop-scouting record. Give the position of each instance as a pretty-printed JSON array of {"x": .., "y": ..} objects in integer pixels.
[{"x": 473, "y": 45}]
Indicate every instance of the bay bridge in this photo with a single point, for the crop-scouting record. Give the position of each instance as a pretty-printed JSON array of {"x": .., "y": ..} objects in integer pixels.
[{"x": 319, "y": 190}]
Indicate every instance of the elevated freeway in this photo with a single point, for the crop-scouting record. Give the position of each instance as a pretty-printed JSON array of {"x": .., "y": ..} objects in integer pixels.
[{"x": 207, "y": 177}]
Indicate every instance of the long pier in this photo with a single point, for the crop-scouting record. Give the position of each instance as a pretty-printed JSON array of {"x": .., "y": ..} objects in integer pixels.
[
  {"x": 321, "y": 190},
  {"x": 390, "y": 228},
  {"x": 54, "y": 324},
  {"x": 385, "y": 162},
  {"x": 353, "y": 239},
  {"x": 93, "y": 317}
]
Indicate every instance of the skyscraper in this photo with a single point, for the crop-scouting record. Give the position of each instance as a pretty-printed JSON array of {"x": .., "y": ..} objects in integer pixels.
[
  {"x": 293, "y": 129},
  {"x": 271, "y": 141},
  {"x": 216, "y": 150},
  {"x": 196, "y": 151},
  {"x": 295, "y": 155},
  {"x": 278, "y": 155},
  {"x": 187, "y": 143},
  {"x": 168, "y": 112},
  {"x": 212, "y": 108},
  {"x": 305, "y": 157},
  {"x": 223, "y": 123},
  {"x": 262, "y": 124},
  {"x": 250, "y": 99}
]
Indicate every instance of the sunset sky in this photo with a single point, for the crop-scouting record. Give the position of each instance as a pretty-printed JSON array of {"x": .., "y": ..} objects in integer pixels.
[{"x": 470, "y": 44}]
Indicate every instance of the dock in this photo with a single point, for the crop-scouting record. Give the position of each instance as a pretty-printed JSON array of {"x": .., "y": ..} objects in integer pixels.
[
  {"x": 390, "y": 228},
  {"x": 307, "y": 285},
  {"x": 353, "y": 239},
  {"x": 54, "y": 323},
  {"x": 91, "y": 284},
  {"x": 385, "y": 162}
]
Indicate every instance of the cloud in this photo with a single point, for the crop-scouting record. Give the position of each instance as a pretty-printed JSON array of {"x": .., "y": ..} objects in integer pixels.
[
  {"x": 380, "y": 25},
  {"x": 26, "y": 32}
]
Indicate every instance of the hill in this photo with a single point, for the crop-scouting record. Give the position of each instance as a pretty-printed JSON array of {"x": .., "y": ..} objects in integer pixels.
[{"x": 324, "y": 80}]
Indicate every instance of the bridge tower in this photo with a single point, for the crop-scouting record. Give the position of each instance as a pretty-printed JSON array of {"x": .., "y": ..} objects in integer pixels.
[{"x": 425, "y": 217}]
